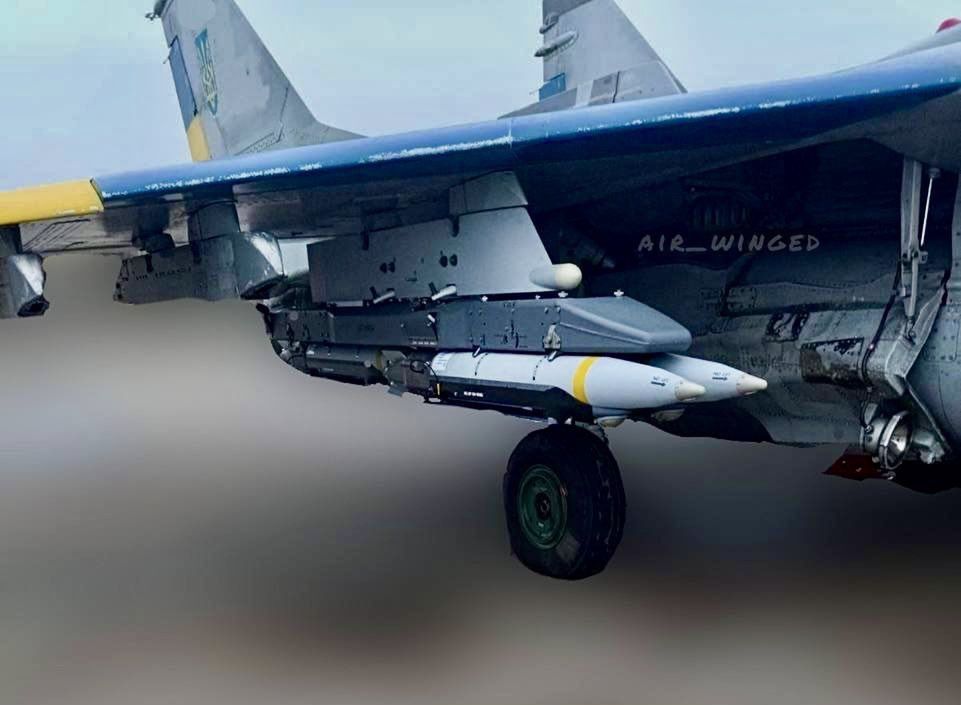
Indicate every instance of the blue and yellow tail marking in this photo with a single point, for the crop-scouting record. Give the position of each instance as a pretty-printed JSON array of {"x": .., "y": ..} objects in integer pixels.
[
  {"x": 197, "y": 139},
  {"x": 193, "y": 123},
  {"x": 208, "y": 73}
]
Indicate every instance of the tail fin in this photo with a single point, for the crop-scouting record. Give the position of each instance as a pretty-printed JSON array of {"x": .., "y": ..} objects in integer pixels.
[
  {"x": 234, "y": 97},
  {"x": 593, "y": 54}
]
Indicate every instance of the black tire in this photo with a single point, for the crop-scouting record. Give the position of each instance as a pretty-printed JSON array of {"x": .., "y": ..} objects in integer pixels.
[{"x": 565, "y": 503}]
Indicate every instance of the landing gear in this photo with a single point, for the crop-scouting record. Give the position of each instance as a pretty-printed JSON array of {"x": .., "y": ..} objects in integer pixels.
[{"x": 565, "y": 503}]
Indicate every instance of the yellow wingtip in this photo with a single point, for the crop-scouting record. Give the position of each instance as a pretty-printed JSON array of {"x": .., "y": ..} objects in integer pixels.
[{"x": 65, "y": 200}]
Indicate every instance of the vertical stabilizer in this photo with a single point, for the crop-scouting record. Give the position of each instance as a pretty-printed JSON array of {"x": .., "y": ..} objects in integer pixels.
[
  {"x": 233, "y": 96},
  {"x": 593, "y": 55}
]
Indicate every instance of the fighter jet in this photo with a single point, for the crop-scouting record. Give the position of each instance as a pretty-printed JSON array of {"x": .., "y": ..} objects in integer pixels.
[{"x": 776, "y": 263}]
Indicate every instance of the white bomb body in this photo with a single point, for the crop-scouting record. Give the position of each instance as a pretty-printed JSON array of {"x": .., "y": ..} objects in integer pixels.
[{"x": 608, "y": 385}]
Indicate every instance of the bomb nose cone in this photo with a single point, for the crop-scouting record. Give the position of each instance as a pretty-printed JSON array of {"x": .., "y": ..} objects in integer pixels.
[
  {"x": 748, "y": 384},
  {"x": 686, "y": 391}
]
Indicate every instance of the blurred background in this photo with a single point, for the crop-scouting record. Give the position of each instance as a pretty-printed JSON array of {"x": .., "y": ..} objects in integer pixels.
[{"x": 183, "y": 519}]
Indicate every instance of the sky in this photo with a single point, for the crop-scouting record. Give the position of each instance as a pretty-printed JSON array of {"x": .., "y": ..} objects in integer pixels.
[{"x": 87, "y": 92}]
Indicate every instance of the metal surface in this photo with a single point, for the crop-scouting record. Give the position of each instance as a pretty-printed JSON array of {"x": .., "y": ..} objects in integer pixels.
[
  {"x": 895, "y": 441},
  {"x": 247, "y": 266},
  {"x": 785, "y": 111},
  {"x": 612, "y": 326},
  {"x": 721, "y": 382},
  {"x": 910, "y": 235},
  {"x": 488, "y": 245},
  {"x": 798, "y": 242},
  {"x": 234, "y": 98},
  {"x": 542, "y": 507},
  {"x": 954, "y": 282},
  {"x": 643, "y": 141},
  {"x": 492, "y": 252},
  {"x": 72, "y": 198},
  {"x": 607, "y": 385},
  {"x": 608, "y": 326},
  {"x": 594, "y": 55},
  {"x": 22, "y": 281}
]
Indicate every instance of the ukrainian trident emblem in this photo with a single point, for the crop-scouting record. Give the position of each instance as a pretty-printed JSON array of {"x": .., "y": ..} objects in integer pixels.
[{"x": 208, "y": 75}]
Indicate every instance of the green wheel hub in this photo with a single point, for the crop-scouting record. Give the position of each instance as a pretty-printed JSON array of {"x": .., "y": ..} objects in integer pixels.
[{"x": 542, "y": 507}]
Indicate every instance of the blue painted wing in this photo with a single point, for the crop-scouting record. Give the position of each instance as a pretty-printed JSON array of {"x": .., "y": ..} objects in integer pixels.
[
  {"x": 754, "y": 116},
  {"x": 561, "y": 158}
]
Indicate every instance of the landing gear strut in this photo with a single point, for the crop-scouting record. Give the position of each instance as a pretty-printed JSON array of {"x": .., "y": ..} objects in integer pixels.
[{"x": 565, "y": 503}]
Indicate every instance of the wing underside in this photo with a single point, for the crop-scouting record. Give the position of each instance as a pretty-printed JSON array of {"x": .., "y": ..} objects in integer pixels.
[{"x": 560, "y": 158}]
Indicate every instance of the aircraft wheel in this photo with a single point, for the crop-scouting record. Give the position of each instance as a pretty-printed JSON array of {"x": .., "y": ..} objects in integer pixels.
[{"x": 565, "y": 503}]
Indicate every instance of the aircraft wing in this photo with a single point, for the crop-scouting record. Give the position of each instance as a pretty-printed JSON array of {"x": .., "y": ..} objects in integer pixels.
[{"x": 367, "y": 184}]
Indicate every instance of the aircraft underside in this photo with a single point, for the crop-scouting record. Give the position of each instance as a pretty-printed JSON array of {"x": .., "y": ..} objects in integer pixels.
[
  {"x": 776, "y": 263},
  {"x": 788, "y": 269},
  {"x": 805, "y": 298}
]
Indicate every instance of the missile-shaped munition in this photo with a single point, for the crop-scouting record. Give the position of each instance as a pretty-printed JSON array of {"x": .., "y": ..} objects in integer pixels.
[
  {"x": 720, "y": 381},
  {"x": 609, "y": 385}
]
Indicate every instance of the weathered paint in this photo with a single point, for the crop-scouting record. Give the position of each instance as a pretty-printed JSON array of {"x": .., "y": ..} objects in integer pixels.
[
  {"x": 755, "y": 114},
  {"x": 783, "y": 111},
  {"x": 199, "y": 149},
  {"x": 223, "y": 71},
  {"x": 72, "y": 198}
]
